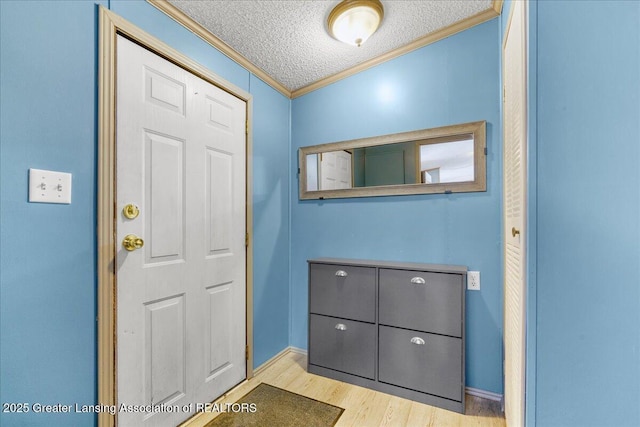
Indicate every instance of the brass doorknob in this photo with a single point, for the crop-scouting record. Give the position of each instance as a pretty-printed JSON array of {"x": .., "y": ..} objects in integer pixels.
[
  {"x": 514, "y": 232},
  {"x": 132, "y": 242}
]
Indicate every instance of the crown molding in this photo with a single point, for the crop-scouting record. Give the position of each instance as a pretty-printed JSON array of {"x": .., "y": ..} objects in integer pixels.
[
  {"x": 200, "y": 31},
  {"x": 188, "y": 22},
  {"x": 443, "y": 33}
]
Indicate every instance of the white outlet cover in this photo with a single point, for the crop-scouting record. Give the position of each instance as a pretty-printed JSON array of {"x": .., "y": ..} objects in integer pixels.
[
  {"x": 473, "y": 280},
  {"x": 49, "y": 186}
]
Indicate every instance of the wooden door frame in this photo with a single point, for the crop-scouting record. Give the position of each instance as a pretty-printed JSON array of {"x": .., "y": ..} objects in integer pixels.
[{"x": 109, "y": 27}]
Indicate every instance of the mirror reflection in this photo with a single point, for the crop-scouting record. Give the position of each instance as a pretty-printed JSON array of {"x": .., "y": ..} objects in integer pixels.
[
  {"x": 446, "y": 162},
  {"x": 448, "y": 159}
]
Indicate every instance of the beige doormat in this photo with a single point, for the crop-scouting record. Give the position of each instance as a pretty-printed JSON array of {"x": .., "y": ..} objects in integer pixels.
[{"x": 267, "y": 406}]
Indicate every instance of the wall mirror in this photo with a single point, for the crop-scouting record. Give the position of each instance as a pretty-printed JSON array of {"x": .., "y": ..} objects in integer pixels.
[{"x": 449, "y": 159}]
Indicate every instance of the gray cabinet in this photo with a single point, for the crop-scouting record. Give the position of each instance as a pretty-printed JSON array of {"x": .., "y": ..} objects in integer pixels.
[
  {"x": 343, "y": 291},
  {"x": 343, "y": 345},
  {"x": 421, "y": 361},
  {"x": 424, "y": 301},
  {"x": 393, "y": 327}
]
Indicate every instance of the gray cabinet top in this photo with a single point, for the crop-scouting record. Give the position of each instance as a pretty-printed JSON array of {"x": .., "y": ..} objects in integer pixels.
[{"x": 440, "y": 268}]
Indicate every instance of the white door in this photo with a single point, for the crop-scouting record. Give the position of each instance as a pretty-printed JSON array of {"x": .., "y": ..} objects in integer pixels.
[
  {"x": 515, "y": 138},
  {"x": 181, "y": 296},
  {"x": 335, "y": 170}
]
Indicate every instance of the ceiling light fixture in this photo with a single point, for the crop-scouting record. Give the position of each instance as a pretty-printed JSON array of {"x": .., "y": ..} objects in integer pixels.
[{"x": 354, "y": 21}]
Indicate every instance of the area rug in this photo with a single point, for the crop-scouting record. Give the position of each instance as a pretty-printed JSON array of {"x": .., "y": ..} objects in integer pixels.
[{"x": 266, "y": 406}]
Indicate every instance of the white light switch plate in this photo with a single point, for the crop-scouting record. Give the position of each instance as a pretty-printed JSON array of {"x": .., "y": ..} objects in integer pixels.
[
  {"x": 473, "y": 280},
  {"x": 49, "y": 186}
]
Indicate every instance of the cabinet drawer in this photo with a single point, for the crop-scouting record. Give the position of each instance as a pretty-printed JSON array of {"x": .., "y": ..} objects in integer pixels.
[
  {"x": 343, "y": 345},
  {"x": 433, "y": 365},
  {"x": 430, "y": 302},
  {"x": 343, "y": 291}
]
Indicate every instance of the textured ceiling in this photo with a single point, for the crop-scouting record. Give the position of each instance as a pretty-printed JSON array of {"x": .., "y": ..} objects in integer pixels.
[{"x": 289, "y": 40}]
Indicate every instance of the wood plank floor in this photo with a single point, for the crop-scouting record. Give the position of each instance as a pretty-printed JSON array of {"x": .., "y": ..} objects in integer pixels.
[{"x": 363, "y": 407}]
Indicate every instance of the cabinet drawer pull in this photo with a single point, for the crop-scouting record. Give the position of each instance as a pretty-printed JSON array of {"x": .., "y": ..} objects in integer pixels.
[
  {"x": 341, "y": 327},
  {"x": 341, "y": 273},
  {"x": 418, "y": 281},
  {"x": 417, "y": 341}
]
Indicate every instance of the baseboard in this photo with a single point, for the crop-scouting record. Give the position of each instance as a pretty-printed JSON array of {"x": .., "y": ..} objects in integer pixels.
[
  {"x": 469, "y": 390},
  {"x": 483, "y": 394},
  {"x": 298, "y": 350},
  {"x": 271, "y": 361}
]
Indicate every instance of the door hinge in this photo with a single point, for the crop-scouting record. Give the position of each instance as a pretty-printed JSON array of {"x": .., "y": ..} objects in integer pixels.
[
  {"x": 246, "y": 127},
  {"x": 246, "y": 352},
  {"x": 246, "y": 239}
]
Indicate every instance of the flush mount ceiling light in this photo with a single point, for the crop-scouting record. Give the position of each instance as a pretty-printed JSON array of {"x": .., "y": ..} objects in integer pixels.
[{"x": 354, "y": 21}]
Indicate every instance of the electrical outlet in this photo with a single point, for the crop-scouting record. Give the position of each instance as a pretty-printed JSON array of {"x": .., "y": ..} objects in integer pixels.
[{"x": 473, "y": 280}]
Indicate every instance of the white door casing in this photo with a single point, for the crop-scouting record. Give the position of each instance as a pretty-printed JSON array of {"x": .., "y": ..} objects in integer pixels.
[
  {"x": 514, "y": 209},
  {"x": 181, "y": 298}
]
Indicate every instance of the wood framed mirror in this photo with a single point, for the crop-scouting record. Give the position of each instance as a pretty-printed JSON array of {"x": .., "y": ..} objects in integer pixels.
[{"x": 448, "y": 159}]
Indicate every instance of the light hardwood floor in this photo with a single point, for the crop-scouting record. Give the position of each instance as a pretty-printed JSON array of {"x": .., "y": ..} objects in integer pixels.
[{"x": 363, "y": 407}]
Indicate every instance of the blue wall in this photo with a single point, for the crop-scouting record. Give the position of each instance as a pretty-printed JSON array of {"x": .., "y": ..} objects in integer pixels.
[
  {"x": 48, "y": 252},
  {"x": 584, "y": 199},
  {"x": 270, "y": 221},
  {"x": 588, "y": 213},
  {"x": 455, "y": 80}
]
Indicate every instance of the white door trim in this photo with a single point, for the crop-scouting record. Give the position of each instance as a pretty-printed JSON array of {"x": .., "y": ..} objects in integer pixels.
[{"x": 111, "y": 25}]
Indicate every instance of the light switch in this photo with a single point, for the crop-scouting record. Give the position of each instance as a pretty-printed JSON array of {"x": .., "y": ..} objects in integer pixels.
[{"x": 49, "y": 186}]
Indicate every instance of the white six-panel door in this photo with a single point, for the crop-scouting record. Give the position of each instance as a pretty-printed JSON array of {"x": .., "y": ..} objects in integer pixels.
[
  {"x": 515, "y": 137},
  {"x": 335, "y": 170},
  {"x": 181, "y": 297}
]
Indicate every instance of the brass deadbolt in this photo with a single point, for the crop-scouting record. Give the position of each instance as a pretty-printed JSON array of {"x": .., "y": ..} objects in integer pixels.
[
  {"x": 131, "y": 211},
  {"x": 132, "y": 242}
]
